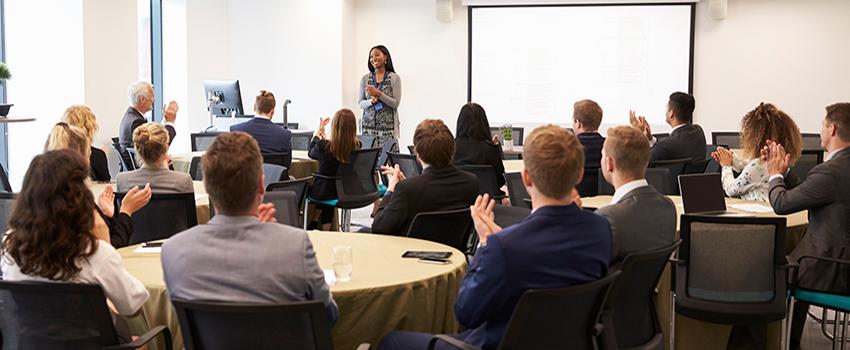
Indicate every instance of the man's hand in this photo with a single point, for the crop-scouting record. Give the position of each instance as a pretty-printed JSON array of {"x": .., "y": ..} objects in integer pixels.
[
  {"x": 776, "y": 160},
  {"x": 723, "y": 156},
  {"x": 640, "y": 123},
  {"x": 136, "y": 199},
  {"x": 265, "y": 212},
  {"x": 169, "y": 111},
  {"x": 106, "y": 201},
  {"x": 483, "y": 218},
  {"x": 394, "y": 175}
]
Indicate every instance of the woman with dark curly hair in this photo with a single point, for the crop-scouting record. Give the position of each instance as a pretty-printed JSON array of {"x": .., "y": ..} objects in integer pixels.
[{"x": 56, "y": 235}]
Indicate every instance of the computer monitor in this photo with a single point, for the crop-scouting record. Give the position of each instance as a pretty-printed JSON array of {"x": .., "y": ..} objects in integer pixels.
[{"x": 225, "y": 96}]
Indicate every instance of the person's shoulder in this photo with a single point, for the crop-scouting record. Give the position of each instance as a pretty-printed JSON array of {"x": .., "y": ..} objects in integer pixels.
[
  {"x": 184, "y": 239},
  {"x": 239, "y": 126},
  {"x": 97, "y": 152},
  {"x": 103, "y": 252}
]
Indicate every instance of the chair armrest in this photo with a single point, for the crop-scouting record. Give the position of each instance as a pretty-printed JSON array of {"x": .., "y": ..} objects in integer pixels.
[
  {"x": 320, "y": 176},
  {"x": 145, "y": 338},
  {"x": 364, "y": 346},
  {"x": 451, "y": 341}
]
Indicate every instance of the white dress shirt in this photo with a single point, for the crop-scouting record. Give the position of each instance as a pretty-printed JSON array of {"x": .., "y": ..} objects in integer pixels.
[{"x": 625, "y": 189}]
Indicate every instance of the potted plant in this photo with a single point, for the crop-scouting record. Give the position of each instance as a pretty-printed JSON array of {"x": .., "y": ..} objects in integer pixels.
[{"x": 4, "y": 75}]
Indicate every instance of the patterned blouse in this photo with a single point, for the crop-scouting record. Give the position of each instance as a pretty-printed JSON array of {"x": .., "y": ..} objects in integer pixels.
[
  {"x": 381, "y": 119},
  {"x": 751, "y": 183}
]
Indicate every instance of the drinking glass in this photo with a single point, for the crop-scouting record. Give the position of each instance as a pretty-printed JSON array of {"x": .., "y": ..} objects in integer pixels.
[{"x": 342, "y": 263}]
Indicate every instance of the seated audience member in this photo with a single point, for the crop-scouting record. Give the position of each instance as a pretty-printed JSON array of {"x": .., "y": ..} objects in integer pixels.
[
  {"x": 331, "y": 153},
  {"x": 587, "y": 116},
  {"x": 558, "y": 245},
  {"x": 686, "y": 140},
  {"x": 54, "y": 235},
  {"x": 641, "y": 218},
  {"x": 473, "y": 144},
  {"x": 64, "y": 136},
  {"x": 271, "y": 137},
  {"x": 151, "y": 141},
  {"x": 825, "y": 193},
  {"x": 82, "y": 117},
  {"x": 440, "y": 187},
  {"x": 766, "y": 122},
  {"x": 142, "y": 97},
  {"x": 264, "y": 262}
]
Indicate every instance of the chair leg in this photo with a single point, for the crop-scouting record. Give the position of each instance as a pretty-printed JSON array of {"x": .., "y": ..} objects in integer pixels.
[
  {"x": 346, "y": 220},
  {"x": 672, "y": 320},
  {"x": 790, "y": 324},
  {"x": 844, "y": 333}
]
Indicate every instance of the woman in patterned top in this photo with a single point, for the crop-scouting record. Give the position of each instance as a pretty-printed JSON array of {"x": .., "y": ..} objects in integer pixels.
[
  {"x": 379, "y": 96},
  {"x": 765, "y": 122}
]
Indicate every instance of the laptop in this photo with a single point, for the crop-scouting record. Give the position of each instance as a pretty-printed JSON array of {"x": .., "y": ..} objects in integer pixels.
[{"x": 703, "y": 194}]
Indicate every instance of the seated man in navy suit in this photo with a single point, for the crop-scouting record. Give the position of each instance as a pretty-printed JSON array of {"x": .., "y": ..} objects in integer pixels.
[
  {"x": 558, "y": 245},
  {"x": 271, "y": 137}
]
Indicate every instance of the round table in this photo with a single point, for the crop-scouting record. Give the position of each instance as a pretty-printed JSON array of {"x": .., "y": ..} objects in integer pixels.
[
  {"x": 302, "y": 166},
  {"x": 386, "y": 291},
  {"x": 202, "y": 200}
]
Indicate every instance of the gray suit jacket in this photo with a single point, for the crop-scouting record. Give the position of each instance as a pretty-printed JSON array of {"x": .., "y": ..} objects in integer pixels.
[
  {"x": 642, "y": 220},
  {"x": 826, "y": 195},
  {"x": 131, "y": 120},
  {"x": 162, "y": 180},
  {"x": 241, "y": 260}
]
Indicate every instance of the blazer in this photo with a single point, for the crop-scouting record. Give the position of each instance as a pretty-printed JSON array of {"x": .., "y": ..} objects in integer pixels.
[
  {"x": 688, "y": 141},
  {"x": 99, "y": 165},
  {"x": 133, "y": 119},
  {"x": 642, "y": 220},
  {"x": 825, "y": 193},
  {"x": 437, "y": 189},
  {"x": 556, "y": 246},
  {"x": 271, "y": 138},
  {"x": 162, "y": 180},
  {"x": 480, "y": 152},
  {"x": 322, "y": 189},
  {"x": 244, "y": 261},
  {"x": 120, "y": 227},
  {"x": 592, "y": 142}
]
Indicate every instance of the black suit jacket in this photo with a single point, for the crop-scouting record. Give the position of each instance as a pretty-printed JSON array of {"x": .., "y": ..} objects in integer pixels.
[
  {"x": 437, "y": 189},
  {"x": 120, "y": 227},
  {"x": 688, "y": 141},
  {"x": 825, "y": 193},
  {"x": 99, "y": 165},
  {"x": 592, "y": 142},
  {"x": 133, "y": 119}
]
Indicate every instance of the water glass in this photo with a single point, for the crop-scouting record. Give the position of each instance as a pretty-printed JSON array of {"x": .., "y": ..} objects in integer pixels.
[{"x": 342, "y": 263}]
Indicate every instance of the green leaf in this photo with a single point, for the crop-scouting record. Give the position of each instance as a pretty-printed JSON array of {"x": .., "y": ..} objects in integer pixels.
[{"x": 4, "y": 72}]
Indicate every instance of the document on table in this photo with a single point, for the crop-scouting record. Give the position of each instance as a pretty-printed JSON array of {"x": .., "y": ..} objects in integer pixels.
[
  {"x": 148, "y": 250},
  {"x": 753, "y": 208},
  {"x": 330, "y": 276}
]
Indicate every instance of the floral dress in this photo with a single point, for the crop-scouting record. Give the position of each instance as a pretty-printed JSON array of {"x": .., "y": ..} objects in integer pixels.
[{"x": 381, "y": 119}]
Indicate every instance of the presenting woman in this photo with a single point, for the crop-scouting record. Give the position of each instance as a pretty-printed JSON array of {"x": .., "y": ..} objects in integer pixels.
[{"x": 379, "y": 96}]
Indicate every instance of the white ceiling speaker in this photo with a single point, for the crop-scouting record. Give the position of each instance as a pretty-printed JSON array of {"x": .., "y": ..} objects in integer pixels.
[
  {"x": 717, "y": 8},
  {"x": 445, "y": 11}
]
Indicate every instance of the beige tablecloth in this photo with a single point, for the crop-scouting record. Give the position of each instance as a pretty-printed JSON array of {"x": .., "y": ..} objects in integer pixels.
[
  {"x": 697, "y": 335},
  {"x": 302, "y": 166},
  {"x": 386, "y": 292},
  {"x": 202, "y": 201}
]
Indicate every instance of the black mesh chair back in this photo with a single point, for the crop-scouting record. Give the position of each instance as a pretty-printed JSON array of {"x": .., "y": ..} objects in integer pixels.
[
  {"x": 366, "y": 141},
  {"x": 660, "y": 136},
  {"x": 411, "y": 150},
  {"x": 516, "y": 190},
  {"x": 39, "y": 315},
  {"x": 202, "y": 140},
  {"x": 406, "y": 162},
  {"x": 283, "y": 159},
  {"x": 7, "y": 205},
  {"x": 127, "y": 162},
  {"x": 4, "y": 180},
  {"x": 355, "y": 182},
  {"x": 517, "y": 134},
  {"x": 541, "y": 320},
  {"x": 385, "y": 149},
  {"x": 507, "y": 216},
  {"x": 604, "y": 188},
  {"x": 731, "y": 270},
  {"x": 589, "y": 185},
  {"x": 808, "y": 160},
  {"x": 165, "y": 215},
  {"x": 301, "y": 140},
  {"x": 286, "y": 207},
  {"x": 487, "y": 181},
  {"x": 697, "y": 166},
  {"x": 273, "y": 173},
  {"x": 811, "y": 141},
  {"x": 631, "y": 303},
  {"x": 290, "y": 126},
  {"x": 195, "y": 170},
  {"x": 213, "y": 326},
  {"x": 732, "y": 139},
  {"x": 298, "y": 186},
  {"x": 676, "y": 167},
  {"x": 451, "y": 227},
  {"x": 135, "y": 162},
  {"x": 659, "y": 178}
]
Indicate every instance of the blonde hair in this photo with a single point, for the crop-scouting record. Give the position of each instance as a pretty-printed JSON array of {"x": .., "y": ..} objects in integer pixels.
[
  {"x": 151, "y": 142},
  {"x": 630, "y": 150},
  {"x": 82, "y": 117},
  {"x": 554, "y": 159},
  {"x": 64, "y": 136}
]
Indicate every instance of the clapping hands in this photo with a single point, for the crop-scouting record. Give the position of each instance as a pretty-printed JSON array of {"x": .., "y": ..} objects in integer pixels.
[
  {"x": 394, "y": 174},
  {"x": 483, "y": 218},
  {"x": 723, "y": 156},
  {"x": 320, "y": 131},
  {"x": 775, "y": 159},
  {"x": 640, "y": 123}
]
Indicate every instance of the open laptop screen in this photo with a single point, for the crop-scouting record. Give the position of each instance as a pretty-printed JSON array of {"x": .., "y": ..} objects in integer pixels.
[{"x": 702, "y": 193}]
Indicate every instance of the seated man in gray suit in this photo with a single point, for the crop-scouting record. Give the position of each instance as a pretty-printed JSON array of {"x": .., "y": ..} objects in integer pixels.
[
  {"x": 641, "y": 218},
  {"x": 141, "y": 95},
  {"x": 825, "y": 193},
  {"x": 242, "y": 256}
]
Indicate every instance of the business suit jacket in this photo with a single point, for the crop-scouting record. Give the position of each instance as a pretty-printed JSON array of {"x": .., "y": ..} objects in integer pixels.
[
  {"x": 642, "y": 220},
  {"x": 688, "y": 141},
  {"x": 271, "y": 138},
  {"x": 238, "y": 259},
  {"x": 825, "y": 193},
  {"x": 480, "y": 152},
  {"x": 592, "y": 142},
  {"x": 555, "y": 247},
  {"x": 120, "y": 227},
  {"x": 162, "y": 180},
  {"x": 437, "y": 189},
  {"x": 99, "y": 165},
  {"x": 133, "y": 119}
]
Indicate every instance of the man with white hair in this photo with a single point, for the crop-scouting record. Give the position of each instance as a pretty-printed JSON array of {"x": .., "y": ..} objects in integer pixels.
[{"x": 141, "y": 96}]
